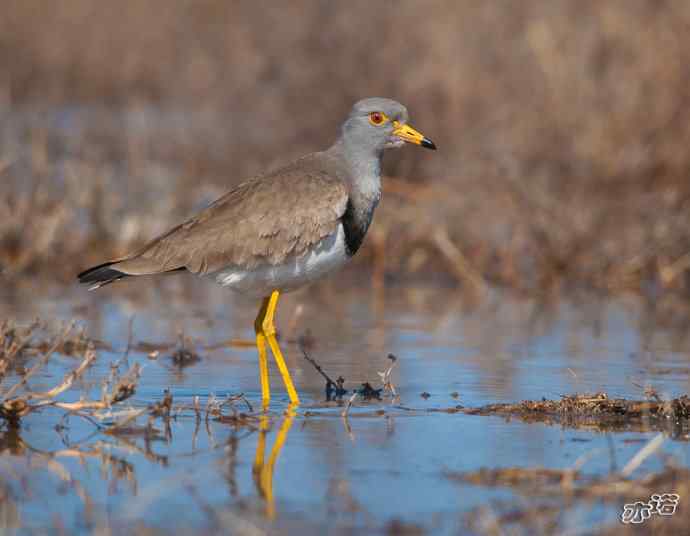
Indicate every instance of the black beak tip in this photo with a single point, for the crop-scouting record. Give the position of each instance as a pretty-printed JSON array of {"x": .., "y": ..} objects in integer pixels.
[{"x": 428, "y": 144}]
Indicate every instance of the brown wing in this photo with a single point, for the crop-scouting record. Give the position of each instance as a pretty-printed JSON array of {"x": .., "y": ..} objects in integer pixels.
[{"x": 261, "y": 221}]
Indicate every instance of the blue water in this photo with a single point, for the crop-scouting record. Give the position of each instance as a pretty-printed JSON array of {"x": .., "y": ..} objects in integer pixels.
[{"x": 331, "y": 474}]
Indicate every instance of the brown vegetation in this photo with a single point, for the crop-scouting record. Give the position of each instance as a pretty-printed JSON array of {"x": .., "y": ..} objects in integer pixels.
[
  {"x": 563, "y": 129},
  {"x": 18, "y": 400},
  {"x": 600, "y": 412},
  {"x": 547, "y": 490},
  {"x": 21, "y": 345},
  {"x": 537, "y": 516}
]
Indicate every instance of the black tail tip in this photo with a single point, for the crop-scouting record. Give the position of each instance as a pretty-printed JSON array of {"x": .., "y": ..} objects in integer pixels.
[{"x": 100, "y": 275}]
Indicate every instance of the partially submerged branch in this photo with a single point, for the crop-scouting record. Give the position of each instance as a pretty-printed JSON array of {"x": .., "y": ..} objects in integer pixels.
[
  {"x": 334, "y": 389},
  {"x": 124, "y": 388},
  {"x": 40, "y": 364},
  {"x": 19, "y": 400}
]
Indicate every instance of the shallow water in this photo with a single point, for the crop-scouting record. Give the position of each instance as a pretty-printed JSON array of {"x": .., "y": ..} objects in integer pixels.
[{"x": 388, "y": 463}]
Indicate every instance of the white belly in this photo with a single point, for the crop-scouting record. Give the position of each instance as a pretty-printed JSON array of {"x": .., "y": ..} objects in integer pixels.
[{"x": 295, "y": 272}]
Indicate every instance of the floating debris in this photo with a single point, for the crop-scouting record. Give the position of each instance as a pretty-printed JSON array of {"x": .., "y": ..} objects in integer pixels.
[
  {"x": 599, "y": 411},
  {"x": 397, "y": 527},
  {"x": 184, "y": 357},
  {"x": 337, "y": 390},
  {"x": 367, "y": 392}
]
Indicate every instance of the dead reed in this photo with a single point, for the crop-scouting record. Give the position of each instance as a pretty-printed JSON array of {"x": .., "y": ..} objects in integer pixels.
[
  {"x": 545, "y": 492},
  {"x": 23, "y": 345}
]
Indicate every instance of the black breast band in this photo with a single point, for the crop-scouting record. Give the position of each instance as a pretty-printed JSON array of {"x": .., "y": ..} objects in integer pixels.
[{"x": 355, "y": 227}]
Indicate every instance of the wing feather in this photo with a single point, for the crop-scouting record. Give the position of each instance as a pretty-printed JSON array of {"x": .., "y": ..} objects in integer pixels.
[{"x": 262, "y": 221}]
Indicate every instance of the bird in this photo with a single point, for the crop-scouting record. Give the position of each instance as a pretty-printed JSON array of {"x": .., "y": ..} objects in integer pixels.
[{"x": 283, "y": 229}]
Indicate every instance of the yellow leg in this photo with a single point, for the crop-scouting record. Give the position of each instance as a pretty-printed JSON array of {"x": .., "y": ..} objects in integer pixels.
[
  {"x": 263, "y": 371},
  {"x": 268, "y": 329},
  {"x": 263, "y": 360},
  {"x": 271, "y": 306},
  {"x": 263, "y": 472},
  {"x": 284, "y": 372}
]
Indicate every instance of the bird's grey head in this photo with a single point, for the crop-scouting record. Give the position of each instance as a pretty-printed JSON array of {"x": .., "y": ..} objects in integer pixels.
[{"x": 376, "y": 124}]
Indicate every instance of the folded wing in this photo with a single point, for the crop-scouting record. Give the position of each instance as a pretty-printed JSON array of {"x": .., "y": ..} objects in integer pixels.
[{"x": 262, "y": 221}]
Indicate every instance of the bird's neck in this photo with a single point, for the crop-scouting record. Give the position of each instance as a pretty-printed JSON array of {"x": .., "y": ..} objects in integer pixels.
[
  {"x": 363, "y": 170},
  {"x": 363, "y": 174}
]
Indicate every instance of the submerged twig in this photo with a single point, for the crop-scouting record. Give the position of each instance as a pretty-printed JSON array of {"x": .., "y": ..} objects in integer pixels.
[{"x": 334, "y": 389}]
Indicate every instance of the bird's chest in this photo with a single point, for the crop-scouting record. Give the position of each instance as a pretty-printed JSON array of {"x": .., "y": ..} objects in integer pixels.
[{"x": 358, "y": 217}]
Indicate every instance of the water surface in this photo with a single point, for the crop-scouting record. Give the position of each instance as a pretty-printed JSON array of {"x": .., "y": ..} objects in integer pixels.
[{"x": 387, "y": 464}]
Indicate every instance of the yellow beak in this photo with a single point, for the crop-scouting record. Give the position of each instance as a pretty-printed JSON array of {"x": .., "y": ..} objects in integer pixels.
[{"x": 410, "y": 135}]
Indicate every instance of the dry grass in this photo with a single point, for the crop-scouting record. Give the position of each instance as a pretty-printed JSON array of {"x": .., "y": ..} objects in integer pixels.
[
  {"x": 545, "y": 494},
  {"x": 537, "y": 515},
  {"x": 26, "y": 351},
  {"x": 600, "y": 413},
  {"x": 19, "y": 400},
  {"x": 563, "y": 129}
]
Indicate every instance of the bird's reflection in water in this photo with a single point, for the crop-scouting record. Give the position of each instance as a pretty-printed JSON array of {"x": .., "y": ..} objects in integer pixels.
[{"x": 263, "y": 469}]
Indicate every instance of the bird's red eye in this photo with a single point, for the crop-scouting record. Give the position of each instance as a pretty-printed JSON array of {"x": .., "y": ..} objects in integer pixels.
[{"x": 376, "y": 118}]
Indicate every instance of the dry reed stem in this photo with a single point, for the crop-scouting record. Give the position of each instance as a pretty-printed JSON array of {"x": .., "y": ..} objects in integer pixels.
[
  {"x": 457, "y": 260},
  {"x": 14, "y": 406},
  {"x": 69, "y": 379},
  {"x": 385, "y": 376},
  {"x": 40, "y": 364},
  {"x": 650, "y": 448},
  {"x": 125, "y": 388}
]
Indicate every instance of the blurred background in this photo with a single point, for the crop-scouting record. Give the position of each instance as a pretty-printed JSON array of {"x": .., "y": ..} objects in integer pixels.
[
  {"x": 563, "y": 130},
  {"x": 561, "y": 183}
]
